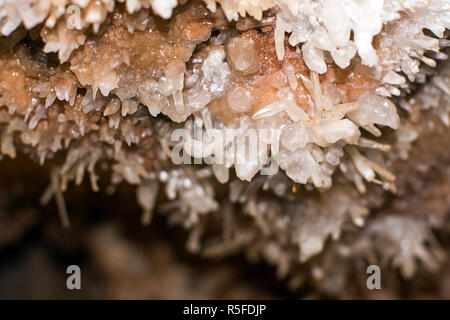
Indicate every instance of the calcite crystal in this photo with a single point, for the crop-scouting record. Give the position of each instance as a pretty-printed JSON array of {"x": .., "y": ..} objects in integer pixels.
[{"x": 355, "y": 95}]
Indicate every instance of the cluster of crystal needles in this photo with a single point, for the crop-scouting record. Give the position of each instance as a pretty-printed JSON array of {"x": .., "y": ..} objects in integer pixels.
[{"x": 312, "y": 134}]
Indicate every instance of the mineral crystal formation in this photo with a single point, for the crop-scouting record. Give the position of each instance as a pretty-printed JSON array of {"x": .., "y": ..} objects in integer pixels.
[{"x": 355, "y": 96}]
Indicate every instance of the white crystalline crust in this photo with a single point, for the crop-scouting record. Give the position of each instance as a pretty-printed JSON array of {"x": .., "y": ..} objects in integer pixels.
[
  {"x": 340, "y": 28},
  {"x": 322, "y": 29},
  {"x": 327, "y": 26},
  {"x": 32, "y": 12}
]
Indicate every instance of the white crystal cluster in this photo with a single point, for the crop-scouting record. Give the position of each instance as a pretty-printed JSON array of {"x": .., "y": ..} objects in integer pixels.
[
  {"x": 33, "y": 12},
  {"x": 344, "y": 28},
  {"x": 313, "y": 26}
]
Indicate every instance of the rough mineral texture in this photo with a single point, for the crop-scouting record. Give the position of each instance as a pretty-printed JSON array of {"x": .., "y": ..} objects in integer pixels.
[{"x": 355, "y": 96}]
